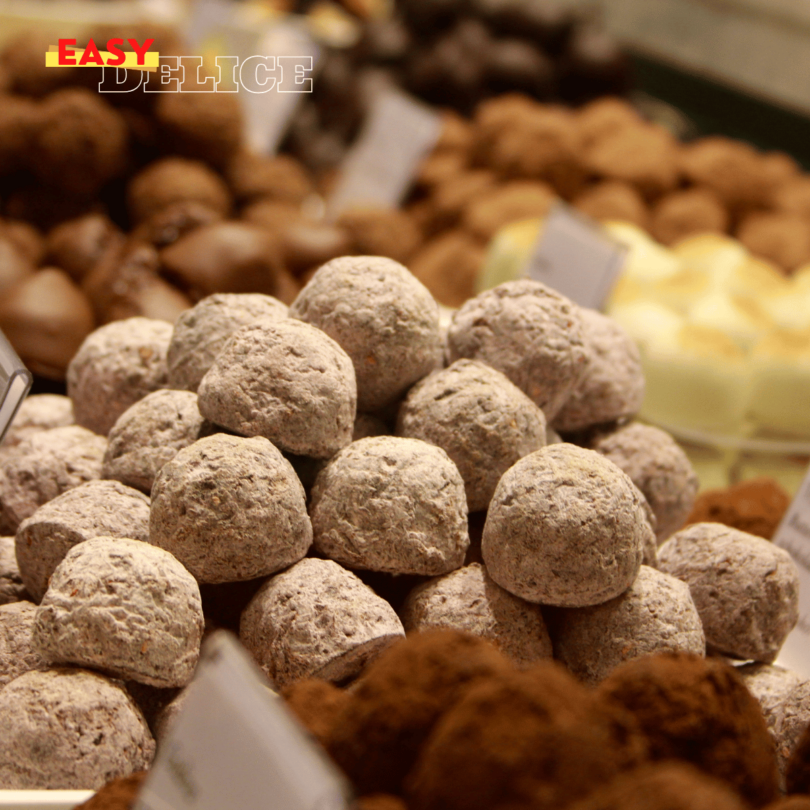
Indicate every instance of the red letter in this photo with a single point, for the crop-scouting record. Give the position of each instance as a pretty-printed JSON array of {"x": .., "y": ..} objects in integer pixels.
[
  {"x": 66, "y": 57},
  {"x": 91, "y": 54},
  {"x": 112, "y": 47},
  {"x": 147, "y": 44}
]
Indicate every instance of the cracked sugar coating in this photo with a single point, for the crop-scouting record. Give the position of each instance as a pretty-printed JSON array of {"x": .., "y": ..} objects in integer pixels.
[
  {"x": 316, "y": 619},
  {"x": 94, "y": 509},
  {"x": 124, "y": 607},
  {"x": 17, "y": 651},
  {"x": 745, "y": 588},
  {"x": 770, "y": 685},
  {"x": 391, "y": 504},
  {"x": 117, "y": 365},
  {"x": 565, "y": 527},
  {"x": 469, "y": 600},
  {"x": 11, "y": 584},
  {"x": 613, "y": 385},
  {"x": 656, "y": 614},
  {"x": 230, "y": 509},
  {"x": 530, "y": 333},
  {"x": 69, "y": 729},
  {"x": 149, "y": 434},
  {"x": 479, "y": 418},
  {"x": 46, "y": 465},
  {"x": 39, "y": 412},
  {"x": 200, "y": 333},
  {"x": 382, "y": 316},
  {"x": 658, "y": 467},
  {"x": 286, "y": 381}
]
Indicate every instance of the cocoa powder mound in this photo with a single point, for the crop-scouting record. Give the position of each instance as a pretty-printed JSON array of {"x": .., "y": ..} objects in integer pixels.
[
  {"x": 395, "y": 705},
  {"x": 120, "y": 794},
  {"x": 756, "y": 506},
  {"x": 316, "y": 704},
  {"x": 699, "y": 710},
  {"x": 797, "y": 776}
]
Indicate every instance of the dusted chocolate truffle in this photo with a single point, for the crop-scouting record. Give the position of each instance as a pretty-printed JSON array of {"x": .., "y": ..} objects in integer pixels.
[
  {"x": 614, "y": 200},
  {"x": 39, "y": 412},
  {"x": 230, "y": 509},
  {"x": 287, "y": 381},
  {"x": 450, "y": 198},
  {"x": 793, "y": 197},
  {"x": 479, "y": 418},
  {"x": 604, "y": 117},
  {"x": 93, "y": 509},
  {"x": 167, "y": 225},
  {"x": 684, "y": 213},
  {"x": 770, "y": 685},
  {"x": 449, "y": 266},
  {"x": 27, "y": 239},
  {"x": 15, "y": 266},
  {"x": 745, "y": 588},
  {"x": 11, "y": 584},
  {"x": 565, "y": 527},
  {"x": 782, "y": 238},
  {"x": 18, "y": 117},
  {"x": 280, "y": 177},
  {"x": 484, "y": 216},
  {"x": 391, "y": 504},
  {"x": 76, "y": 245},
  {"x": 115, "y": 366},
  {"x": 381, "y": 232},
  {"x": 308, "y": 245},
  {"x": 316, "y": 620},
  {"x": 119, "y": 794},
  {"x": 316, "y": 704},
  {"x": 17, "y": 651},
  {"x": 792, "y": 721},
  {"x": 798, "y": 770},
  {"x": 25, "y": 70},
  {"x": 69, "y": 729}
]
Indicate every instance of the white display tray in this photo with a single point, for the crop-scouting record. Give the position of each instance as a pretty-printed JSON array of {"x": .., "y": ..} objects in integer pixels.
[{"x": 43, "y": 799}]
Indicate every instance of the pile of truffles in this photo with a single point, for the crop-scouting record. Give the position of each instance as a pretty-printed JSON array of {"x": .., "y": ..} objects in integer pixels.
[{"x": 326, "y": 477}]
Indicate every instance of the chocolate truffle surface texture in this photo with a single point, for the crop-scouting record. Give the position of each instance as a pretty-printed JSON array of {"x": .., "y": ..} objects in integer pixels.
[
  {"x": 316, "y": 620},
  {"x": 39, "y": 412},
  {"x": 792, "y": 721},
  {"x": 284, "y": 380},
  {"x": 565, "y": 527},
  {"x": 746, "y": 589},
  {"x": 770, "y": 685},
  {"x": 317, "y": 704},
  {"x": 17, "y": 651},
  {"x": 12, "y": 588}
]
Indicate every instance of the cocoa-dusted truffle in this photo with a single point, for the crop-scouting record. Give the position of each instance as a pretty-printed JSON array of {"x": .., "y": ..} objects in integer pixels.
[
  {"x": 658, "y": 467},
  {"x": 655, "y": 614},
  {"x": 469, "y": 600},
  {"x": 745, "y": 588},
  {"x": 316, "y": 620},
  {"x": 287, "y": 381},
  {"x": 307, "y": 245},
  {"x": 17, "y": 651},
  {"x": 115, "y": 366},
  {"x": 11, "y": 584},
  {"x": 119, "y": 794},
  {"x": 201, "y": 333},
  {"x": 797, "y": 776},
  {"x": 280, "y": 177},
  {"x": 698, "y": 710},
  {"x": 792, "y": 721},
  {"x": 39, "y": 412},
  {"x": 782, "y": 238},
  {"x": 449, "y": 266},
  {"x": 149, "y": 434},
  {"x": 69, "y": 729},
  {"x": 230, "y": 509},
  {"x": 770, "y": 685},
  {"x": 167, "y": 225},
  {"x": 605, "y": 116},
  {"x": 381, "y": 316},
  {"x": 124, "y": 607},
  {"x": 76, "y": 245},
  {"x": 450, "y": 198},
  {"x": 15, "y": 266},
  {"x": 381, "y": 232},
  {"x": 18, "y": 117},
  {"x": 93, "y": 509},
  {"x": 391, "y": 504},
  {"x": 613, "y": 385},
  {"x": 484, "y": 216},
  {"x": 317, "y": 704},
  {"x": 26, "y": 237},
  {"x": 565, "y": 527},
  {"x": 530, "y": 333},
  {"x": 685, "y": 213},
  {"x": 479, "y": 418},
  {"x": 793, "y": 197},
  {"x": 613, "y": 199}
]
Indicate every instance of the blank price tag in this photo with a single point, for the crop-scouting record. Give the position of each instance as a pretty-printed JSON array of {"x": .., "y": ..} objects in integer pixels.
[
  {"x": 235, "y": 745},
  {"x": 576, "y": 257},
  {"x": 15, "y": 383},
  {"x": 398, "y": 134}
]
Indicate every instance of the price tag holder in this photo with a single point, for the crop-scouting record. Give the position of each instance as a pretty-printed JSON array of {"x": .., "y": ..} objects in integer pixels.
[
  {"x": 234, "y": 744},
  {"x": 15, "y": 383},
  {"x": 398, "y": 134},
  {"x": 576, "y": 257}
]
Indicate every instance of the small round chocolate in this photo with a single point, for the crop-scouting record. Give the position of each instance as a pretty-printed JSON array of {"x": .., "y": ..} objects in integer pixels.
[
  {"x": 613, "y": 199},
  {"x": 565, "y": 527},
  {"x": 230, "y": 509},
  {"x": 76, "y": 245},
  {"x": 391, "y": 504},
  {"x": 18, "y": 120},
  {"x": 280, "y": 177},
  {"x": 792, "y": 721},
  {"x": 745, "y": 588},
  {"x": 317, "y": 620},
  {"x": 17, "y": 651},
  {"x": 39, "y": 412},
  {"x": 287, "y": 381},
  {"x": 779, "y": 237},
  {"x": 93, "y": 509},
  {"x": 689, "y": 212},
  {"x": 484, "y": 216},
  {"x": 11, "y": 584},
  {"x": 449, "y": 266}
]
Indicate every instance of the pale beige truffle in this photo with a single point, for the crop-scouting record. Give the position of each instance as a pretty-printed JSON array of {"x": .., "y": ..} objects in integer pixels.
[
  {"x": 230, "y": 509},
  {"x": 770, "y": 685},
  {"x": 613, "y": 385},
  {"x": 745, "y": 588},
  {"x": 17, "y": 651},
  {"x": 530, "y": 333},
  {"x": 479, "y": 418},
  {"x": 656, "y": 614},
  {"x": 284, "y": 380},
  {"x": 317, "y": 620},
  {"x": 94, "y": 509},
  {"x": 39, "y": 412},
  {"x": 382, "y": 316},
  {"x": 115, "y": 366},
  {"x": 148, "y": 435},
  {"x": 69, "y": 729},
  {"x": 201, "y": 332},
  {"x": 565, "y": 527},
  {"x": 470, "y": 600},
  {"x": 124, "y": 607},
  {"x": 393, "y": 505},
  {"x": 12, "y": 588},
  {"x": 658, "y": 467}
]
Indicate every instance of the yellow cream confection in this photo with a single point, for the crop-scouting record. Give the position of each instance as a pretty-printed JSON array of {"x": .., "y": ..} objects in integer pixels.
[
  {"x": 737, "y": 317},
  {"x": 647, "y": 262},
  {"x": 710, "y": 252},
  {"x": 509, "y": 253},
  {"x": 646, "y": 321}
]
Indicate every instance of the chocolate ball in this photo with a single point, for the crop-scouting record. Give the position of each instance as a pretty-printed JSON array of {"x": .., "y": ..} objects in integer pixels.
[{"x": 78, "y": 244}]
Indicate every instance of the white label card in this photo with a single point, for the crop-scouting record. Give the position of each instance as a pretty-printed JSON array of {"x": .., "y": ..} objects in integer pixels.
[
  {"x": 576, "y": 257},
  {"x": 398, "y": 134},
  {"x": 793, "y": 535},
  {"x": 234, "y": 744},
  {"x": 15, "y": 383}
]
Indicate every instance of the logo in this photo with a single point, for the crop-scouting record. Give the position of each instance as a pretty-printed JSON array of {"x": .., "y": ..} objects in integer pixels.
[{"x": 66, "y": 54}]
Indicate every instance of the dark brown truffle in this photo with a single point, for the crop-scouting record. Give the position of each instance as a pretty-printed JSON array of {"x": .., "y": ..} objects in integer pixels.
[
  {"x": 519, "y": 199},
  {"x": 782, "y": 238},
  {"x": 449, "y": 266},
  {"x": 17, "y": 119},
  {"x": 317, "y": 704},
  {"x": 613, "y": 199},
  {"x": 381, "y": 232},
  {"x": 797, "y": 776},
  {"x": 120, "y": 794},
  {"x": 793, "y": 197},
  {"x": 603, "y": 117},
  {"x": 24, "y": 65},
  {"x": 684, "y": 213},
  {"x": 280, "y": 178},
  {"x": 76, "y": 245},
  {"x": 168, "y": 224}
]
